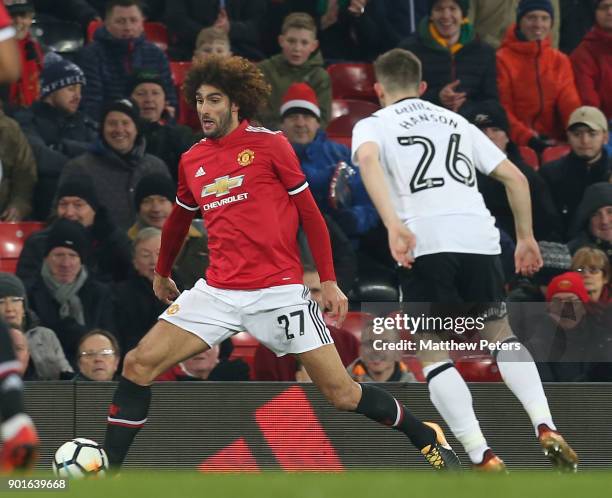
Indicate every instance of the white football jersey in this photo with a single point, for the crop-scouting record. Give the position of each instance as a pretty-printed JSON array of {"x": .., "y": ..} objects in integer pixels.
[{"x": 430, "y": 156}]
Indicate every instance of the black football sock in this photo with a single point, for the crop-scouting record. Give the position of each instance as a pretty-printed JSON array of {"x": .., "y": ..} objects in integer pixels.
[
  {"x": 380, "y": 406},
  {"x": 11, "y": 386},
  {"x": 126, "y": 416}
]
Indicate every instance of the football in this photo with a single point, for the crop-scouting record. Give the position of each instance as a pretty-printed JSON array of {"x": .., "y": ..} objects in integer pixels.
[{"x": 80, "y": 459}]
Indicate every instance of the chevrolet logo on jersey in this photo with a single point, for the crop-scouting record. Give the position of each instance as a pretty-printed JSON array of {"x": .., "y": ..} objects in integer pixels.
[{"x": 222, "y": 186}]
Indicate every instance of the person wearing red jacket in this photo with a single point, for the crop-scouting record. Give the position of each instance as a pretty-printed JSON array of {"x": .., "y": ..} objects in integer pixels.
[
  {"x": 592, "y": 61},
  {"x": 535, "y": 81},
  {"x": 25, "y": 91}
]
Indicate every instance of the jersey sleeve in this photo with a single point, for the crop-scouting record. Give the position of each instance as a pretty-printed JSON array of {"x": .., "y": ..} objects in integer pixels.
[
  {"x": 487, "y": 156},
  {"x": 184, "y": 197},
  {"x": 364, "y": 131},
  {"x": 287, "y": 166},
  {"x": 6, "y": 24}
]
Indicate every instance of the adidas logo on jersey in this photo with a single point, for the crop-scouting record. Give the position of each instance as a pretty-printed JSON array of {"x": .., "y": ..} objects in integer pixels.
[{"x": 200, "y": 172}]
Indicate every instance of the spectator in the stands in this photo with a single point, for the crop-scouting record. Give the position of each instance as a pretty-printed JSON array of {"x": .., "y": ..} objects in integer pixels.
[
  {"x": 592, "y": 223},
  {"x": 79, "y": 11},
  {"x": 212, "y": 41},
  {"x": 577, "y": 18},
  {"x": 240, "y": 19},
  {"x": 25, "y": 90},
  {"x": 299, "y": 61},
  {"x": 64, "y": 296},
  {"x": 376, "y": 364},
  {"x": 117, "y": 161},
  {"x": 592, "y": 61},
  {"x": 136, "y": 307},
  {"x": 47, "y": 357},
  {"x": 491, "y": 19},
  {"x": 459, "y": 69},
  {"x": 587, "y": 163},
  {"x": 491, "y": 118},
  {"x": 319, "y": 157},
  {"x": 164, "y": 138},
  {"x": 269, "y": 367},
  {"x": 118, "y": 50},
  {"x": 98, "y": 355},
  {"x": 22, "y": 353},
  {"x": 535, "y": 81},
  {"x": 55, "y": 128},
  {"x": 154, "y": 198},
  {"x": 594, "y": 268},
  {"x": 108, "y": 255},
  {"x": 18, "y": 171}
]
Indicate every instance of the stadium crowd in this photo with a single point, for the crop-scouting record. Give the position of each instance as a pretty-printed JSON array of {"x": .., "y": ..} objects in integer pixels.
[{"x": 92, "y": 133}]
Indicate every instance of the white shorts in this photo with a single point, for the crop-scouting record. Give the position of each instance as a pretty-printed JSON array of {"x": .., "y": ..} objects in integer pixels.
[{"x": 284, "y": 318}]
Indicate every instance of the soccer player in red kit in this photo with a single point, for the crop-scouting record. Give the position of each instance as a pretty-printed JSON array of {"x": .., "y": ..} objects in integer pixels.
[{"x": 252, "y": 194}]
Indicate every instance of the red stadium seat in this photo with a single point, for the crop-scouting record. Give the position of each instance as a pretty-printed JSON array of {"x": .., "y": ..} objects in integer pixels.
[
  {"x": 414, "y": 365},
  {"x": 179, "y": 71},
  {"x": 342, "y": 126},
  {"x": 554, "y": 153},
  {"x": 155, "y": 32},
  {"x": 352, "y": 81},
  {"x": 12, "y": 238},
  {"x": 362, "y": 108},
  {"x": 354, "y": 322},
  {"x": 245, "y": 346},
  {"x": 186, "y": 115},
  {"x": 529, "y": 156}
]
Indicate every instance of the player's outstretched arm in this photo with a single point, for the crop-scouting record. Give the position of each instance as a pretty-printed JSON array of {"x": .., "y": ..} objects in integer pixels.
[
  {"x": 527, "y": 257},
  {"x": 401, "y": 240}
]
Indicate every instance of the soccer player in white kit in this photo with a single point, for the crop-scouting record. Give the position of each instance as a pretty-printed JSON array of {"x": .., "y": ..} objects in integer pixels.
[{"x": 418, "y": 162}]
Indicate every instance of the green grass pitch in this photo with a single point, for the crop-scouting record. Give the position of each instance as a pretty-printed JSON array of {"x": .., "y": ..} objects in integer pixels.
[{"x": 167, "y": 484}]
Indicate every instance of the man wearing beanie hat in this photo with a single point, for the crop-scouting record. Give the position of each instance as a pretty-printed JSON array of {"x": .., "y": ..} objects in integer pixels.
[
  {"x": 458, "y": 68},
  {"x": 592, "y": 61},
  {"x": 491, "y": 118},
  {"x": 164, "y": 137},
  {"x": 120, "y": 48},
  {"x": 64, "y": 296},
  {"x": 154, "y": 198},
  {"x": 117, "y": 161},
  {"x": 55, "y": 128},
  {"x": 109, "y": 251},
  {"x": 527, "y": 62},
  {"x": 319, "y": 156}
]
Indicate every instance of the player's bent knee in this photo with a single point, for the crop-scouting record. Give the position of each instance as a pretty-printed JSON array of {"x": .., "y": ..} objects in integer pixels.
[
  {"x": 497, "y": 330},
  {"x": 138, "y": 368},
  {"x": 345, "y": 398}
]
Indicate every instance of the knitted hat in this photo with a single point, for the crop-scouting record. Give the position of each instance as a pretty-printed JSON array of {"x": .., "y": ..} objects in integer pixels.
[
  {"x": 80, "y": 186},
  {"x": 464, "y": 5},
  {"x": 58, "y": 73},
  {"x": 489, "y": 115},
  {"x": 556, "y": 259},
  {"x": 18, "y": 6},
  {"x": 300, "y": 97},
  {"x": 156, "y": 184},
  {"x": 11, "y": 285},
  {"x": 126, "y": 106},
  {"x": 567, "y": 282},
  {"x": 144, "y": 76},
  {"x": 67, "y": 233},
  {"x": 526, "y": 6}
]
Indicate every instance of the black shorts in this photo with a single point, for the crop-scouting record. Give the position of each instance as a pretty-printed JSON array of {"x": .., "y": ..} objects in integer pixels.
[{"x": 457, "y": 284}]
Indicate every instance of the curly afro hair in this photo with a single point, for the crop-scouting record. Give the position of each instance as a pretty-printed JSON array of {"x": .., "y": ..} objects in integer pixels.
[{"x": 238, "y": 78}]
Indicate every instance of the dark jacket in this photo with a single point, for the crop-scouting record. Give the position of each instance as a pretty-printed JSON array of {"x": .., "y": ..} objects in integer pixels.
[
  {"x": 474, "y": 65},
  {"x": 136, "y": 310},
  {"x": 109, "y": 62},
  {"x": 108, "y": 257},
  {"x": 318, "y": 160},
  {"x": 577, "y": 17},
  {"x": 168, "y": 142},
  {"x": 97, "y": 308},
  {"x": 115, "y": 177},
  {"x": 186, "y": 18},
  {"x": 568, "y": 178},
  {"x": 546, "y": 221},
  {"x": 55, "y": 138}
]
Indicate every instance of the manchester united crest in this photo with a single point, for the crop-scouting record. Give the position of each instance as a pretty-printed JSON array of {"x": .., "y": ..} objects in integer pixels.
[
  {"x": 173, "y": 309},
  {"x": 246, "y": 157}
]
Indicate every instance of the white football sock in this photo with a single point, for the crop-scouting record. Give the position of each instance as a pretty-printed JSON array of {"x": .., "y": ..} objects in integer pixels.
[
  {"x": 522, "y": 377},
  {"x": 452, "y": 398}
]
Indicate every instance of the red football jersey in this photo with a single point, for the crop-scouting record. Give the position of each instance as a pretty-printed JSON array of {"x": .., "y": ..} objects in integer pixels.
[
  {"x": 242, "y": 184},
  {"x": 6, "y": 24}
]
